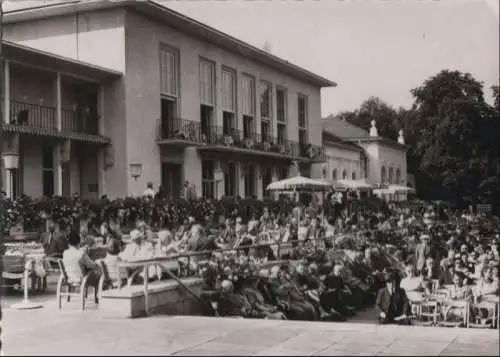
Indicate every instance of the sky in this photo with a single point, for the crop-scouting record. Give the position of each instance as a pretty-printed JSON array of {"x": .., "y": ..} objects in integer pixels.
[{"x": 379, "y": 48}]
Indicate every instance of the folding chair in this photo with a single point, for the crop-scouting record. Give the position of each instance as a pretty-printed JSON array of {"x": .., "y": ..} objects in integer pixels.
[
  {"x": 447, "y": 319},
  {"x": 429, "y": 313},
  {"x": 475, "y": 319}
]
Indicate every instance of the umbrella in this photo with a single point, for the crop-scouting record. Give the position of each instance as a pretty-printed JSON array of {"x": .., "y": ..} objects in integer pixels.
[
  {"x": 356, "y": 185},
  {"x": 300, "y": 183}
]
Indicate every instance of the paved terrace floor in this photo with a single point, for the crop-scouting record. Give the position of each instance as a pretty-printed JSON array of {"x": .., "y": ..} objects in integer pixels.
[{"x": 73, "y": 332}]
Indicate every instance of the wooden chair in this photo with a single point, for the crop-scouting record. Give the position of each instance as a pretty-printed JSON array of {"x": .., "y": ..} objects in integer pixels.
[
  {"x": 13, "y": 270},
  {"x": 72, "y": 289},
  {"x": 489, "y": 321}
]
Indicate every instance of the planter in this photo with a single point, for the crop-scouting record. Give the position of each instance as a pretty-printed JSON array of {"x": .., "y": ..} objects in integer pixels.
[{"x": 10, "y": 160}]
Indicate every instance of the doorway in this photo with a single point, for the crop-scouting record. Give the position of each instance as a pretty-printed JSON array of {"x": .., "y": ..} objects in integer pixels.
[{"x": 171, "y": 179}]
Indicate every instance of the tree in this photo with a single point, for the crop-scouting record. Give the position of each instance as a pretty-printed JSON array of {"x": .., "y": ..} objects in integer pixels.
[{"x": 456, "y": 132}]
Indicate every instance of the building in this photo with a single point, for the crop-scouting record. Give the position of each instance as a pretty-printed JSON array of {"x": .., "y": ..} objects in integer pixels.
[
  {"x": 354, "y": 153},
  {"x": 180, "y": 102}
]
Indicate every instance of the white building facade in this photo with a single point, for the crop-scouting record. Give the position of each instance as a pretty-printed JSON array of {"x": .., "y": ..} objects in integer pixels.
[{"x": 185, "y": 102}]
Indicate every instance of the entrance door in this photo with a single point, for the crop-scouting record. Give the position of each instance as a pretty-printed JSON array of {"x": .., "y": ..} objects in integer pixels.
[{"x": 171, "y": 179}]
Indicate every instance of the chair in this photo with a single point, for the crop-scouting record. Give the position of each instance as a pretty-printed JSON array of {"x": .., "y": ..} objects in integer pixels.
[
  {"x": 429, "y": 313},
  {"x": 449, "y": 320},
  {"x": 13, "y": 270},
  {"x": 72, "y": 289},
  {"x": 488, "y": 321},
  {"x": 105, "y": 281}
]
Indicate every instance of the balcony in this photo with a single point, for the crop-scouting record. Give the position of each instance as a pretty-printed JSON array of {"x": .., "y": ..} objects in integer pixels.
[
  {"x": 189, "y": 133},
  {"x": 36, "y": 119}
]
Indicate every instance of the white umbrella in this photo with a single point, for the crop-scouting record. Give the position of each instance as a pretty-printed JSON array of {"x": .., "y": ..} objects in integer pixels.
[
  {"x": 300, "y": 183},
  {"x": 356, "y": 185}
]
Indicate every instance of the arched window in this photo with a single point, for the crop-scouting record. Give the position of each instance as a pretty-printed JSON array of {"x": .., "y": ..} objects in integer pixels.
[
  {"x": 398, "y": 176},
  {"x": 354, "y": 175},
  {"x": 383, "y": 174},
  {"x": 334, "y": 174},
  {"x": 391, "y": 175},
  {"x": 344, "y": 175}
]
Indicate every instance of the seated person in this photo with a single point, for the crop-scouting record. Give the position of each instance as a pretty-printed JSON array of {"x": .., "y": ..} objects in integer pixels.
[
  {"x": 165, "y": 246},
  {"x": 139, "y": 249},
  {"x": 286, "y": 291},
  {"x": 256, "y": 299},
  {"x": 78, "y": 264},
  {"x": 392, "y": 302},
  {"x": 234, "y": 304},
  {"x": 54, "y": 242},
  {"x": 335, "y": 300},
  {"x": 459, "y": 290},
  {"x": 488, "y": 283},
  {"x": 447, "y": 271},
  {"x": 112, "y": 259}
]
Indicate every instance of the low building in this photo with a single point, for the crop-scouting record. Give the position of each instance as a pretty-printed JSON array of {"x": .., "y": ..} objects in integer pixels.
[
  {"x": 175, "y": 100},
  {"x": 354, "y": 153}
]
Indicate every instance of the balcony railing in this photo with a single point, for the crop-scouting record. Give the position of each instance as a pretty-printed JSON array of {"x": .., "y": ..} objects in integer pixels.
[
  {"x": 33, "y": 115},
  {"x": 44, "y": 118},
  {"x": 195, "y": 133}
]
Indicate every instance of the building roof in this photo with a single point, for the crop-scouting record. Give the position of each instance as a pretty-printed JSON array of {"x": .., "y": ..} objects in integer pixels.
[
  {"x": 49, "y": 61},
  {"x": 344, "y": 129},
  {"x": 176, "y": 20},
  {"x": 354, "y": 134},
  {"x": 329, "y": 138}
]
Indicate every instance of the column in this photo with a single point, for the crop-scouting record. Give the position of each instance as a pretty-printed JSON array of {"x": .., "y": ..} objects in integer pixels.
[
  {"x": 6, "y": 97},
  {"x": 57, "y": 148}
]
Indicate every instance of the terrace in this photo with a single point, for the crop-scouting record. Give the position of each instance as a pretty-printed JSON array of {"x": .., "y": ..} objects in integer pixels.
[
  {"x": 43, "y": 103},
  {"x": 217, "y": 138}
]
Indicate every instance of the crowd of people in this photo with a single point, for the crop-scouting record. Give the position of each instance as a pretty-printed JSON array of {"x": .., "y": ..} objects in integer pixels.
[{"x": 305, "y": 265}]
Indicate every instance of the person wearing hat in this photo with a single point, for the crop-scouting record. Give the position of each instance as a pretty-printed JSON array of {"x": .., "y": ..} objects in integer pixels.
[
  {"x": 392, "y": 302},
  {"x": 138, "y": 248}
]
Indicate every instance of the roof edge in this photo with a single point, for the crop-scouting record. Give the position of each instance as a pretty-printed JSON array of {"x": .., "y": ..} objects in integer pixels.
[
  {"x": 66, "y": 8},
  {"x": 378, "y": 138}
]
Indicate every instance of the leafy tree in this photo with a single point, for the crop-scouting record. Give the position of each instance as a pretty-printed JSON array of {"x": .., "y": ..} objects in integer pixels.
[{"x": 457, "y": 132}]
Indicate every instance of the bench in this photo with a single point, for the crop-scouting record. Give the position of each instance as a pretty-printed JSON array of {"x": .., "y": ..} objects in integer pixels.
[{"x": 164, "y": 297}]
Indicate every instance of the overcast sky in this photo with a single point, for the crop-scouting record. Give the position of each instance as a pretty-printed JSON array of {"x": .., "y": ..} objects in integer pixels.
[{"x": 369, "y": 47}]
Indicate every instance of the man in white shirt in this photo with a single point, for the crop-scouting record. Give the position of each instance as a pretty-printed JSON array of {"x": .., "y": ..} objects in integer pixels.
[{"x": 149, "y": 192}]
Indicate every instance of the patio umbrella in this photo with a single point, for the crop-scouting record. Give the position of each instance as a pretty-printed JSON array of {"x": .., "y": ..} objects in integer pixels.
[
  {"x": 356, "y": 185},
  {"x": 300, "y": 183}
]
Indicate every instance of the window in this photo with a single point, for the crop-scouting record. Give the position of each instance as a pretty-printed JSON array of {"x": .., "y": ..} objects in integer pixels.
[
  {"x": 383, "y": 177},
  {"x": 391, "y": 175},
  {"x": 169, "y": 71},
  {"x": 334, "y": 174},
  {"x": 281, "y": 105},
  {"x": 206, "y": 121},
  {"x": 398, "y": 176},
  {"x": 344, "y": 175},
  {"x": 208, "y": 179},
  {"x": 249, "y": 181},
  {"x": 248, "y": 95},
  {"x": 227, "y": 123},
  {"x": 281, "y": 133},
  {"x": 302, "y": 111},
  {"x": 302, "y": 137},
  {"x": 230, "y": 184},
  {"x": 48, "y": 170},
  {"x": 265, "y": 130},
  {"x": 248, "y": 105},
  {"x": 353, "y": 175},
  {"x": 228, "y": 100},
  {"x": 207, "y": 83},
  {"x": 267, "y": 178},
  {"x": 265, "y": 100},
  {"x": 228, "y": 90}
]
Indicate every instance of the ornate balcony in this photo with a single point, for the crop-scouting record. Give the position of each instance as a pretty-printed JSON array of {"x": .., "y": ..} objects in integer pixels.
[
  {"x": 35, "y": 119},
  {"x": 214, "y": 138}
]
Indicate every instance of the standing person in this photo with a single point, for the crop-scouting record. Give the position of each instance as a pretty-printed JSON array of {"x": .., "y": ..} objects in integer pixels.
[
  {"x": 422, "y": 252},
  {"x": 55, "y": 242},
  {"x": 149, "y": 192}
]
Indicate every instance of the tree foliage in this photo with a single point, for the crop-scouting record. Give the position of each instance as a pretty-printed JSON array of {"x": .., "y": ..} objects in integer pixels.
[{"x": 453, "y": 134}]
